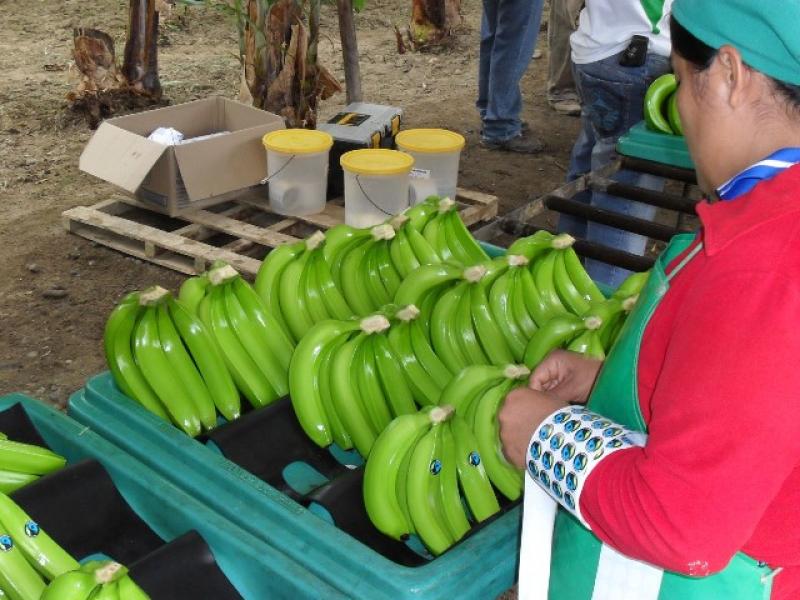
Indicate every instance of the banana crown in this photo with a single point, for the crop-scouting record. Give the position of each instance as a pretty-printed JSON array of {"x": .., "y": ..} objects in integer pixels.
[
  {"x": 374, "y": 324},
  {"x": 593, "y": 322},
  {"x": 562, "y": 241},
  {"x": 407, "y": 313},
  {"x": 517, "y": 260},
  {"x": 384, "y": 231},
  {"x": 445, "y": 204},
  {"x": 222, "y": 275},
  {"x": 440, "y": 414},
  {"x": 152, "y": 296},
  {"x": 314, "y": 240},
  {"x": 516, "y": 371},
  {"x": 398, "y": 221},
  {"x": 629, "y": 303},
  {"x": 475, "y": 273}
]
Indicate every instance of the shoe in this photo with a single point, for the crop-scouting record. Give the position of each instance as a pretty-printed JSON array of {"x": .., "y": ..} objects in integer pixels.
[
  {"x": 567, "y": 106},
  {"x": 524, "y": 143}
]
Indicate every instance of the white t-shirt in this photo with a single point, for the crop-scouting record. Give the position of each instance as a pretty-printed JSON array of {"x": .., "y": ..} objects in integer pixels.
[{"x": 607, "y": 26}]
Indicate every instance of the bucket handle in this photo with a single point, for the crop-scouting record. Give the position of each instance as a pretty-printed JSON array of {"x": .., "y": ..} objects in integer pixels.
[
  {"x": 358, "y": 181},
  {"x": 268, "y": 178}
]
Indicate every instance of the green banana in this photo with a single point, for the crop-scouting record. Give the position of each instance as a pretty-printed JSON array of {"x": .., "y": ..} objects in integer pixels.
[
  {"x": 536, "y": 306},
  {"x": 435, "y": 235},
  {"x": 304, "y": 388},
  {"x": 384, "y": 505},
  {"x": 464, "y": 329},
  {"x": 393, "y": 381},
  {"x": 208, "y": 358},
  {"x": 340, "y": 436},
  {"x": 11, "y": 481},
  {"x": 500, "y": 300},
  {"x": 472, "y": 475},
  {"x": 519, "y": 307},
  {"x": 184, "y": 370},
  {"x": 246, "y": 374},
  {"x": 403, "y": 257},
  {"x": 107, "y": 591},
  {"x": 353, "y": 275},
  {"x": 471, "y": 383},
  {"x": 544, "y": 277},
  {"x": 192, "y": 292},
  {"x": 365, "y": 374},
  {"x": 17, "y": 577},
  {"x": 339, "y": 237},
  {"x": 565, "y": 288},
  {"x": 267, "y": 284},
  {"x": 334, "y": 302},
  {"x": 674, "y": 115},
  {"x": 28, "y": 458},
  {"x": 42, "y": 552},
  {"x": 632, "y": 286},
  {"x": 388, "y": 274},
  {"x": 426, "y": 280},
  {"x": 580, "y": 278},
  {"x": 423, "y": 492},
  {"x": 347, "y": 402},
  {"x": 421, "y": 346},
  {"x": 420, "y": 214},
  {"x": 312, "y": 291},
  {"x": 371, "y": 279},
  {"x": 595, "y": 348},
  {"x": 554, "y": 334},
  {"x": 291, "y": 296},
  {"x": 460, "y": 240},
  {"x": 533, "y": 246},
  {"x": 422, "y": 249},
  {"x": 254, "y": 337},
  {"x": 74, "y": 585},
  {"x": 444, "y": 337},
  {"x": 655, "y": 100},
  {"x": 154, "y": 365},
  {"x": 278, "y": 341},
  {"x": 119, "y": 355},
  {"x": 505, "y": 477},
  {"x": 424, "y": 386},
  {"x": 455, "y": 517},
  {"x": 497, "y": 347}
]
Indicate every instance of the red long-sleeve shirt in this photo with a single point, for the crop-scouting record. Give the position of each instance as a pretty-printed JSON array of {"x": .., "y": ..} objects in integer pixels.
[{"x": 719, "y": 387}]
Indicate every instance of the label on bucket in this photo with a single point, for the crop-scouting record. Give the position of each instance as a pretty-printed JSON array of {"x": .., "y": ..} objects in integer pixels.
[{"x": 420, "y": 174}]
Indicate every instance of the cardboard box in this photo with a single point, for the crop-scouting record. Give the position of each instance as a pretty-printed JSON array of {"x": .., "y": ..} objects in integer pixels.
[{"x": 191, "y": 175}]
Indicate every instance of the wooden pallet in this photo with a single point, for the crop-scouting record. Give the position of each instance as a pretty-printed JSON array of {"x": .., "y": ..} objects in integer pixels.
[{"x": 240, "y": 232}]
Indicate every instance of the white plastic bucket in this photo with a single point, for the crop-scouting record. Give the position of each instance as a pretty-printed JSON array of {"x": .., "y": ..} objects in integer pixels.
[
  {"x": 376, "y": 185},
  {"x": 436, "y": 153},
  {"x": 297, "y": 170}
]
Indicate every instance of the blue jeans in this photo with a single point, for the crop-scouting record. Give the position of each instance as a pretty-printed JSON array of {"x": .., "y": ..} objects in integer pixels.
[
  {"x": 509, "y": 29},
  {"x": 612, "y": 97}
]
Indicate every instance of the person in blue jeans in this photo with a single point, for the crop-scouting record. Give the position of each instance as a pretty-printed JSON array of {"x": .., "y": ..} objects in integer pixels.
[
  {"x": 509, "y": 30},
  {"x": 612, "y": 99}
]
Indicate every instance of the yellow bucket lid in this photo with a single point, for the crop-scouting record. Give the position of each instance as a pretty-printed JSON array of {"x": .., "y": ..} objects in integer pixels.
[
  {"x": 429, "y": 140},
  {"x": 297, "y": 141},
  {"x": 377, "y": 162}
]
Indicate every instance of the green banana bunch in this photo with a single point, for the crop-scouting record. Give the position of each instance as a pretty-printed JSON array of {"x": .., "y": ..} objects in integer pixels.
[
  {"x": 420, "y": 214},
  {"x": 656, "y": 102},
  {"x": 472, "y": 382},
  {"x": 267, "y": 283},
  {"x": 632, "y": 286}
]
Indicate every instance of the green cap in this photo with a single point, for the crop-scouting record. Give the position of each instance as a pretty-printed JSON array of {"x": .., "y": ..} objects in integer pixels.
[{"x": 766, "y": 32}]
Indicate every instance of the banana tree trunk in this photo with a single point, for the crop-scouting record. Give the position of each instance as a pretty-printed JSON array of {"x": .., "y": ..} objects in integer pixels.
[
  {"x": 347, "y": 33},
  {"x": 432, "y": 21},
  {"x": 140, "y": 66}
]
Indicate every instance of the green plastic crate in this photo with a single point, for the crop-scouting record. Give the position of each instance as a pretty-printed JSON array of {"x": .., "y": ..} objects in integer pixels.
[
  {"x": 254, "y": 568},
  {"x": 640, "y": 142},
  {"x": 481, "y": 566}
]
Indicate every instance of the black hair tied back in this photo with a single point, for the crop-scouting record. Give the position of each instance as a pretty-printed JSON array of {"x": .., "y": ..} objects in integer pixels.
[{"x": 701, "y": 55}]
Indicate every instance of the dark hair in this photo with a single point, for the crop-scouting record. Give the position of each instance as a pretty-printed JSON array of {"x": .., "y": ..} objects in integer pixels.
[{"x": 701, "y": 55}]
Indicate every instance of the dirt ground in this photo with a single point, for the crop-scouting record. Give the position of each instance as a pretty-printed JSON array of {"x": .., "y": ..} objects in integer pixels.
[{"x": 56, "y": 289}]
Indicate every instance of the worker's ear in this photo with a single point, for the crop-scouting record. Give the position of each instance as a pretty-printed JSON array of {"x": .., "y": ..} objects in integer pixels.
[{"x": 733, "y": 77}]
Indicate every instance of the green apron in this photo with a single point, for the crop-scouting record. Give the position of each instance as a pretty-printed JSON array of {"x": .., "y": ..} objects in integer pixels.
[{"x": 576, "y": 551}]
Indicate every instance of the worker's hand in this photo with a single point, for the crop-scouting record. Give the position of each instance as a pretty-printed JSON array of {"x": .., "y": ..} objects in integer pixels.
[
  {"x": 566, "y": 376},
  {"x": 522, "y": 412}
]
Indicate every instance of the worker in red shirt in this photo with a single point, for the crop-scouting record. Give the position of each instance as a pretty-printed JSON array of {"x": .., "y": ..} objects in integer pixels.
[{"x": 679, "y": 479}]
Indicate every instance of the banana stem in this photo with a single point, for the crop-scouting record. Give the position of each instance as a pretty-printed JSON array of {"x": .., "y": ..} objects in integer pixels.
[
  {"x": 516, "y": 371},
  {"x": 314, "y": 240},
  {"x": 445, "y": 204},
  {"x": 398, "y": 221},
  {"x": 374, "y": 324},
  {"x": 440, "y": 414},
  {"x": 106, "y": 574},
  {"x": 408, "y": 313},
  {"x": 474, "y": 273},
  {"x": 562, "y": 241},
  {"x": 629, "y": 303},
  {"x": 152, "y": 296},
  {"x": 382, "y": 232},
  {"x": 222, "y": 275},
  {"x": 517, "y": 260},
  {"x": 593, "y": 323}
]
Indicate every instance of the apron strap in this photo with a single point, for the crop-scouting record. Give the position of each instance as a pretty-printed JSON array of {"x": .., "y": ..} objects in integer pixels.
[{"x": 695, "y": 251}]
